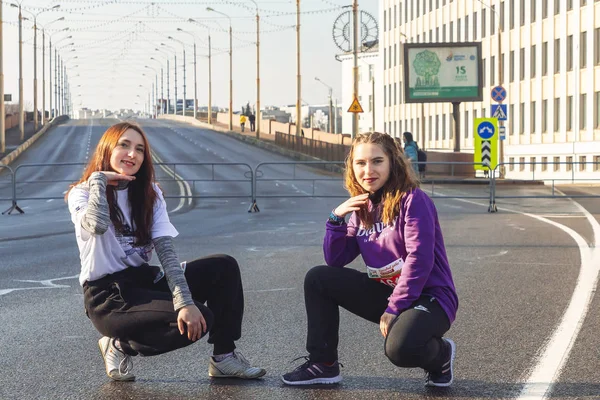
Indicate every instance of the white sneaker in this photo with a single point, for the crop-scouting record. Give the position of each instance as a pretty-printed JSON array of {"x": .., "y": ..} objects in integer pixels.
[
  {"x": 235, "y": 366},
  {"x": 118, "y": 364}
]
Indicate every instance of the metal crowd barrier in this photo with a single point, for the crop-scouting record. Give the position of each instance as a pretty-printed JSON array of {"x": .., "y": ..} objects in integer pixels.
[{"x": 208, "y": 172}]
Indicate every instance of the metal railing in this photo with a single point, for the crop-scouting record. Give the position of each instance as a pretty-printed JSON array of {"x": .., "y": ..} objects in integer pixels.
[{"x": 289, "y": 179}]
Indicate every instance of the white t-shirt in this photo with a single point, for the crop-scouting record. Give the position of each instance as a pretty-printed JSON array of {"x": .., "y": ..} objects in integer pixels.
[{"x": 114, "y": 251}]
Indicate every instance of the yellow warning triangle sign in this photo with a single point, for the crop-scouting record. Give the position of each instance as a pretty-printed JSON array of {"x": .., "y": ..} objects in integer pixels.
[{"x": 355, "y": 107}]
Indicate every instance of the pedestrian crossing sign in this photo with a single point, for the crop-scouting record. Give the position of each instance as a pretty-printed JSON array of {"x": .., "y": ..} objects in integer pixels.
[
  {"x": 485, "y": 139},
  {"x": 355, "y": 107},
  {"x": 499, "y": 112}
]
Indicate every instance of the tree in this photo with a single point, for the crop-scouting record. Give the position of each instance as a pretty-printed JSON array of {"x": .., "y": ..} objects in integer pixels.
[{"x": 427, "y": 64}]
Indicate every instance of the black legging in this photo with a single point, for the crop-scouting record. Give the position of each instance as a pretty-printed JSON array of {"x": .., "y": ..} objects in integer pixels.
[
  {"x": 414, "y": 337},
  {"x": 127, "y": 305}
]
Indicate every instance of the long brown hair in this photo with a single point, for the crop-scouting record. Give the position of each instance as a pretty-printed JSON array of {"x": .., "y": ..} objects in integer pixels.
[
  {"x": 141, "y": 192},
  {"x": 402, "y": 178}
]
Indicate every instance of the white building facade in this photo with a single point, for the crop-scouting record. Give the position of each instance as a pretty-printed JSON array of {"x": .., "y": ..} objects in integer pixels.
[
  {"x": 370, "y": 91},
  {"x": 550, "y": 65}
]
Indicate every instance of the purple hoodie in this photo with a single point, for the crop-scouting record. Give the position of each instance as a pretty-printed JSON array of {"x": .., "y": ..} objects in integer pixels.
[{"x": 409, "y": 255}]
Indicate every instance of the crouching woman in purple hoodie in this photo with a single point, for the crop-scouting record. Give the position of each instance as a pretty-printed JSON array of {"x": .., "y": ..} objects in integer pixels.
[{"x": 407, "y": 288}]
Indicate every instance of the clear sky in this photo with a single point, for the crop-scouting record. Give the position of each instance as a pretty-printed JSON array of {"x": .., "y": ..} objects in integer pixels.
[{"x": 113, "y": 40}]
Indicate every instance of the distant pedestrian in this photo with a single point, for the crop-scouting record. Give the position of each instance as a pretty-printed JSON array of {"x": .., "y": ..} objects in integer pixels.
[
  {"x": 408, "y": 287},
  {"x": 411, "y": 150},
  {"x": 120, "y": 216},
  {"x": 242, "y": 121},
  {"x": 252, "y": 119}
]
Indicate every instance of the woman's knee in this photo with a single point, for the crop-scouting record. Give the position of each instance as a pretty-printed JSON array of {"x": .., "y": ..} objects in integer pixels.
[
  {"x": 402, "y": 351},
  {"x": 315, "y": 276}
]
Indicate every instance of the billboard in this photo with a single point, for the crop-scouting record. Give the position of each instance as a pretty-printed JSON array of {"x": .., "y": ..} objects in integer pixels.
[{"x": 442, "y": 72}]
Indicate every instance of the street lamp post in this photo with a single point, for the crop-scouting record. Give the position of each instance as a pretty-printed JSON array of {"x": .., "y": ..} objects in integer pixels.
[
  {"x": 195, "y": 75},
  {"x": 299, "y": 76},
  {"x": 331, "y": 128},
  {"x": 175, "y": 58},
  {"x": 230, "y": 67},
  {"x": 155, "y": 88},
  {"x": 184, "y": 82},
  {"x": 209, "y": 70},
  {"x": 49, "y": 69},
  {"x": 21, "y": 120},
  {"x": 2, "y": 111},
  {"x": 168, "y": 80},
  {"x": 258, "y": 119},
  {"x": 162, "y": 94}
]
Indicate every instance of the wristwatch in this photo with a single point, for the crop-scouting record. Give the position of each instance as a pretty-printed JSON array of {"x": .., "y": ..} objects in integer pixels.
[{"x": 334, "y": 219}]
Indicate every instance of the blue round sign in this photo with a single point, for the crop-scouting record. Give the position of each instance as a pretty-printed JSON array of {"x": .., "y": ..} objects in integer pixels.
[
  {"x": 498, "y": 94},
  {"x": 486, "y": 130}
]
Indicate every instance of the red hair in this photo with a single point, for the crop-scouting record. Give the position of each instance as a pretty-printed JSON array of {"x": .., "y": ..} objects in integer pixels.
[{"x": 142, "y": 195}]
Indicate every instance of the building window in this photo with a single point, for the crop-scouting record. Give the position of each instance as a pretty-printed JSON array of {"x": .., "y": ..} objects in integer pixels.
[
  {"x": 545, "y": 59},
  {"x": 532, "y": 164},
  {"x": 467, "y": 28},
  {"x": 511, "y": 120},
  {"x": 437, "y": 127},
  {"x": 385, "y": 20},
  {"x": 483, "y": 72},
  {"x": 502, "y": 16},
  {"x": 596, "y": 109},
  {"x": 483, "y": 22},
  {"x": 511, "y": 66},
  {"x": 532, "y": 117},
  {"x": 582, "y": 163},
  {"x": 522, "y": 119},
  {"x": 522, "y": 12},
  {"x": 395, "y": 55},
  {"x": 597, "y": 46},
  {"x": 511, "y": 163},
  {"x": 544, "y": 115},
  {"x": 556, "y": 113},
  {"x": 556, "y": 163},
  {"x": 395, "y": 94},
  {"x": 521, "y": 163},
  {"x": 522, "y": 64},
  {"x": 467, "y": 125},
  {"x": 452, "y": 31},
  {"x": 544, "y": 8},
  {"x": 430, "y": 136},
  {"x": 583, "y": 50},
  {"x": 569, "y": 163},
  {"x": 493, "y": 21},
  {"x": 556, "y": 56},
  {"x": 556, "y": 7},
  {"x": 437, "y": 34},
  {"x": 544, "y": 163},
  {"x": 596, "y": 163},
  {"x": 532, "y": 10},
  {"x": 532, "y": 61},
  {"x": 444, "y": 127},
  {"x": 444, "y": 33},
  {"x": 384, "y": 58},
  {"x": 582, "y": 110},
  {"x": 570, "y": 53},
  {"x": 475, "y": 26},
  {"x": 512, "y": 14},
  {"x": 569, "y": 113},
  {"x": 492, "y": 70}
]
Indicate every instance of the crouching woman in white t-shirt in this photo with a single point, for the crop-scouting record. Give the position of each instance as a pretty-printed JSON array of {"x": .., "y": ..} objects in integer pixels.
[{"x": 120, "y": 215}]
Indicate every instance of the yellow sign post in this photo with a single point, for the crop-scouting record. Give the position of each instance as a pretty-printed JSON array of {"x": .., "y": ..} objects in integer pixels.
[
  {"x": 485, "y": 137},
  {"x": 355, "y": 107}
]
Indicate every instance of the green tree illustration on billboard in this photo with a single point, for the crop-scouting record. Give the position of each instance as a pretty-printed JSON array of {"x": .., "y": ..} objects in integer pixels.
[{"x": 427, "y": 66}]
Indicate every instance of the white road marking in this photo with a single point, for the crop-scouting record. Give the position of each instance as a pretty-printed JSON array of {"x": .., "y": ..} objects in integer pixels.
[
  {"x": 184, "y": 187},
  {"x": 46, "y": 284},
  {"x": 555, "y": 353},
  {"x": 269, "y": 290}
]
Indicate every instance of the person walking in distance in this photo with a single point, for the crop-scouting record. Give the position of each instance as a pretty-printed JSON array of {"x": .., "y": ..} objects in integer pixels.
[
  {"x": 411, "y": 150},
  {"x": 252, "y": 119},
  {"x": 242, "y": 121},
  {"x": 120, "y": 216},
  {"x": 407, "y": 289}
]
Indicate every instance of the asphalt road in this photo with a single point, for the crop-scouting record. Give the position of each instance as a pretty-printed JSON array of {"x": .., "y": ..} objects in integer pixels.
[{"x": 526, "y": 326}]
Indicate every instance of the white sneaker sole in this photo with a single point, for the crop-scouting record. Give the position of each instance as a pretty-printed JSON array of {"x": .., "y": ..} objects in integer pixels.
[
  {"x": 118, "y": 378},
  {"x": 316, "y": 381}
]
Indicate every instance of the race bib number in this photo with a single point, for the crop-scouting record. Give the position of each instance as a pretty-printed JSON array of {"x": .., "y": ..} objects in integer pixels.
[{"x": 388, "y": 274}]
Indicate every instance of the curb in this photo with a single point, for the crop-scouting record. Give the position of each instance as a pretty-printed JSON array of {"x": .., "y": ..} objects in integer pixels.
[{"x": 17, "y": 152}]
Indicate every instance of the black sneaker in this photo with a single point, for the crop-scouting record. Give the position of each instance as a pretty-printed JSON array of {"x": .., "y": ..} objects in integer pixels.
[
  {"x": 444, "y": 377},
  {"x": 311, "y": 373}
]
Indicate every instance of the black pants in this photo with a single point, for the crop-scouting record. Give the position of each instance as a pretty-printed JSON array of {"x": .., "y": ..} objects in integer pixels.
[
  {"x": 129, "y": 306},
  {"x": 414, "y": 337},
  {"x": 252, "y": 126}
]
